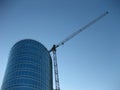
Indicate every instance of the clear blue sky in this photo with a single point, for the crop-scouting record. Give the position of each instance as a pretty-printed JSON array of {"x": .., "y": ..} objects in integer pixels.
[{"x": 90, "y": 61}]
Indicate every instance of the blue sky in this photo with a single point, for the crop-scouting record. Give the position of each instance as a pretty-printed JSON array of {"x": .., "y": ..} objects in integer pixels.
[{"x": 89, "y": 61}]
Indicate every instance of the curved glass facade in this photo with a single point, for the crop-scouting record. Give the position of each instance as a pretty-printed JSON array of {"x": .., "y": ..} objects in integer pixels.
[{"x": 29, "y": 67}]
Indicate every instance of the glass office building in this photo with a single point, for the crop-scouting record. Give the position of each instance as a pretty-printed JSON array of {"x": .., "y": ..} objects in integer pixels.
[{"x": 29, "y": 67}]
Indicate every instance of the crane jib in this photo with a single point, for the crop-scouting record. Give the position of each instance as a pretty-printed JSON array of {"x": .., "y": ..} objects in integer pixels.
[{"x": 82, "y": 29}]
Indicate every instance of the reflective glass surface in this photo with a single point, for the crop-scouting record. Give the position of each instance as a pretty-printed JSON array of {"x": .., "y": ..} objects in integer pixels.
[{"x": 29, "y": 67}]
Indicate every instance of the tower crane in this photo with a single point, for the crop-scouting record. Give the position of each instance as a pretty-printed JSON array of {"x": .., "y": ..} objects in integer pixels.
[{"x": 55, "y": 46}]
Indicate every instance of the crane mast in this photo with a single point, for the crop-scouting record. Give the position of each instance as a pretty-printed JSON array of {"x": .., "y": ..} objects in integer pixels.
[
  {"x": 53, "y": 49},
  {"x": 57, "y": 85}
]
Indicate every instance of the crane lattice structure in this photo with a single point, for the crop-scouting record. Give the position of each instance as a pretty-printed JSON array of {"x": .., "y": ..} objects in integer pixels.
[{"x": 55, "y": 46}]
